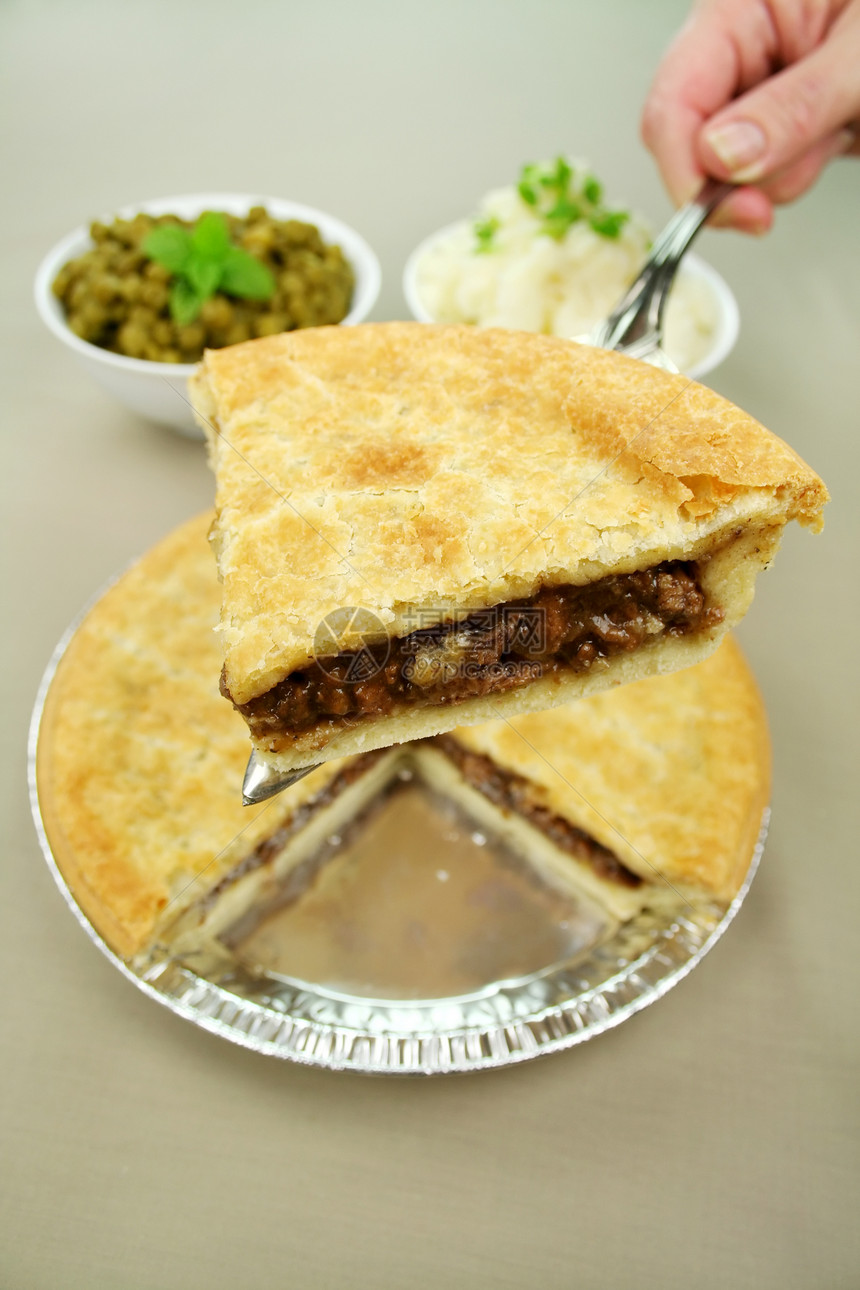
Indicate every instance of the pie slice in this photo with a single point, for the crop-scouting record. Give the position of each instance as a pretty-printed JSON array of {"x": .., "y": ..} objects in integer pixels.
[
  {"x": 422, "y": 527},
  {"x": 640, "y": 796},
  {"x": 649, "y": 794}
]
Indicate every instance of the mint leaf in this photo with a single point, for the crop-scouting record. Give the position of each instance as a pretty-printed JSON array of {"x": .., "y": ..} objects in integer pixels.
[
  {"x": 185, "y": 302},
  {"x": 203, "y": 261},
  {"x": 203, "y": 275},
  {"x": 169, "y": 245},
  {"x": 242, "y": 275},
  {"x": 211, "y": 236}
]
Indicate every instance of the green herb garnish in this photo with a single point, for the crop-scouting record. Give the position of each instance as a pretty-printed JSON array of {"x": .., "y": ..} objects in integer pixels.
[
  {"x": 485, "y": 232},
  {"x": 204, "y": 261},
  {"x": 609, "y": 223},
  {"x": 592, "y": 190},
  {"x": 559, "y": 199}
]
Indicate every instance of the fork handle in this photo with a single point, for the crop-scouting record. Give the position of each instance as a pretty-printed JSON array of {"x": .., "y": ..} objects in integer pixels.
[{"x": 638, "y": 316}]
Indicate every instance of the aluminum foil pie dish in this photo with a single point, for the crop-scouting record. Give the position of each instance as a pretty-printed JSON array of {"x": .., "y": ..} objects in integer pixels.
[{"x": 456, "y": 904}]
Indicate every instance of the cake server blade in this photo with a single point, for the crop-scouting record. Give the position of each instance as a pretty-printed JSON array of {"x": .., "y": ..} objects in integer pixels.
[{"x": 262, "y": 781}]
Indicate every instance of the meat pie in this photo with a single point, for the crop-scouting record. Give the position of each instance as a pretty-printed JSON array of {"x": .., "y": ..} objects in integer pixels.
[
  {"x": 638, "y": 796},
  {"x": 423, "y": 527}
]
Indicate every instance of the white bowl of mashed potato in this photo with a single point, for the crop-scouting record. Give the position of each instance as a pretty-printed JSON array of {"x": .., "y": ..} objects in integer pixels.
[{"x": 549, "y": 255}]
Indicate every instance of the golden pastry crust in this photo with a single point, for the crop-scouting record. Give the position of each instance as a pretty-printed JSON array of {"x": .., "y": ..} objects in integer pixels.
[
  {"x": 671, "y": 773},
  {"x": 140, "y": 759},
  {"x": 140, "y": 762},
  {"x": 729, "y": 578},
  {"x": 401, "y": 467}
]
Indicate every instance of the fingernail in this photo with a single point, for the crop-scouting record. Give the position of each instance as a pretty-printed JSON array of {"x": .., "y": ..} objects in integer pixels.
[
  {"x": 740, "y": 146},
  {"x": 845, "y": 140}
]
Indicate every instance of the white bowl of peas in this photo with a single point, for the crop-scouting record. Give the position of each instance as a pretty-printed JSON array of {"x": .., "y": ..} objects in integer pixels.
[{"x": 137, "y": 295}]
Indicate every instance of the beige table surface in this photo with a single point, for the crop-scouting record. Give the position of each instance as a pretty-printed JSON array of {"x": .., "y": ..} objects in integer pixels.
[{"x": 709, "y": 1142}]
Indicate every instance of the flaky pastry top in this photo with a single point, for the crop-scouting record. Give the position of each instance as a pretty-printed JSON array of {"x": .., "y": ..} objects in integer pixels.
[
  {"x": 140, "y": 759},
  {"x": 671, "y": 773},
  {"x": 420, "y": 471}
]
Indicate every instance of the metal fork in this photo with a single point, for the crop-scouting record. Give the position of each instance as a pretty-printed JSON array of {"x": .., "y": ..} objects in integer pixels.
[{"x": 635, "y": 326}]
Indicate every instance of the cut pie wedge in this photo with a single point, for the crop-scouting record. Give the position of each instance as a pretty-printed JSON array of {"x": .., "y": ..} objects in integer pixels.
[
  {"x": 424, "y": 527},
  {"x": 651, "y": 794}
]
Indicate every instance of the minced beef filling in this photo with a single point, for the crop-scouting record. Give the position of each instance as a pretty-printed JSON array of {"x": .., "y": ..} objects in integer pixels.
[
  {"x": 490, "y": 651},
  {"x": 514, "y": 793}
]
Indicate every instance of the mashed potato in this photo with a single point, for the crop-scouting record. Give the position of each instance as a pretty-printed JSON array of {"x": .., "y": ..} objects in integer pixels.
[{"x": 505, "y": 270}]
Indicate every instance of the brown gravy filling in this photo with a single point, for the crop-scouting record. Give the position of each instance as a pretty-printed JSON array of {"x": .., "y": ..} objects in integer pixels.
[
  {"x": 489, "y": 652},
  {"x": 514, "y": 792}
]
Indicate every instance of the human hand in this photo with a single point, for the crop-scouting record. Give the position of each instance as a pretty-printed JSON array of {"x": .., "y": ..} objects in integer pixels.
[{"x": 762, "y": 94}]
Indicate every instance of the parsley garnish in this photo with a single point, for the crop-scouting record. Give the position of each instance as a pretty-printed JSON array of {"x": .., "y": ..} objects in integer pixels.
[
  {"x": 559, "y": 199},
  {"x": 204, "y": 261},
  {"x": 485, "y": 232}
]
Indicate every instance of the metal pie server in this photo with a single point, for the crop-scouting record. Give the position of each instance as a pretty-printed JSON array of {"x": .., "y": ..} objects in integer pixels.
[
  {"x": 634, "y": 327},
  {"x": 263, "y": 781}
]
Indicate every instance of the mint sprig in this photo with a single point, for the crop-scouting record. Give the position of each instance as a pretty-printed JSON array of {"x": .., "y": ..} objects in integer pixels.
[
  {"x": 204, "y": 261},
  {"x": 559, "y": 198}
]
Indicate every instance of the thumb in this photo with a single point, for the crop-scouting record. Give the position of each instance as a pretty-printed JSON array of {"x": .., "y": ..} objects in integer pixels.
[{"x": 787, "y": 115}]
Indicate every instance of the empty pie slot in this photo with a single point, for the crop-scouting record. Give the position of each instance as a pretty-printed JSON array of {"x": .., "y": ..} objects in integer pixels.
[{"x": 414, "y": 899}]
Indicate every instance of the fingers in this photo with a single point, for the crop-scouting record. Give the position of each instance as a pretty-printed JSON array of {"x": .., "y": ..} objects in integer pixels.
[
  {"x": 695, "y": 79},
  {"x": 750, "y": 210},
  {"x": 792, "y": 120},
  {"x": 702, "y": 118},
  {"x": 671, "y": 138},
  {"x": 723, "y": 48},
  {"x": 794, "y": 180}
]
